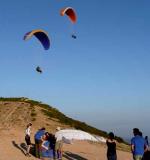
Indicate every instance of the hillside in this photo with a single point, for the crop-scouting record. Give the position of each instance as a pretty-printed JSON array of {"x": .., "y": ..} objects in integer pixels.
[
  {"x": 20, "y": 111},
  {"x": 16, "y": 113}
]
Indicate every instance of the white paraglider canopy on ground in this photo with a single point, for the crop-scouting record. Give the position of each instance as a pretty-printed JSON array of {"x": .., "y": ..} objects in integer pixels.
[
  {"x": 100, "y": 139},
  {"x": 73, "y": 134}
]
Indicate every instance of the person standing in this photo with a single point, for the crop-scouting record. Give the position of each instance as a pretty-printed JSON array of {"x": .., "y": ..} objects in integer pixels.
[
  {"x": 37, "y": 137},
  {"x": 27, "y": 138},
  {"x": 146, "y": 139},
  {"x": 45, "y": 148},
  {"x": 52, "y": 141},
  {"x": 58, "y": 147},
  {"x": 111, "y": 147},
  {"x": 138, "y": 145}
]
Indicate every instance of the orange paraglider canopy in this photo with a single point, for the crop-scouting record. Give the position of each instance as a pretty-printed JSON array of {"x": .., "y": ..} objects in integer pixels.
[{"x": 70, "y": 13}]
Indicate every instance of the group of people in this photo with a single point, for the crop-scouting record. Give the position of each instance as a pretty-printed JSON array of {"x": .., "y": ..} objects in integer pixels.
[
  {"x": 139, "y": 146},
  {"x": 47, "y": 147}
]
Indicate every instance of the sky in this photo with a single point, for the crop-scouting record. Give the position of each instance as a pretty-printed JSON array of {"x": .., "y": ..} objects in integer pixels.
[{"x": 101, "y": 78}]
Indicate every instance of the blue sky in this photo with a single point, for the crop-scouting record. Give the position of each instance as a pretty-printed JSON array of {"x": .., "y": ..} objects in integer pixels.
[{"x": 102, "y": 77}]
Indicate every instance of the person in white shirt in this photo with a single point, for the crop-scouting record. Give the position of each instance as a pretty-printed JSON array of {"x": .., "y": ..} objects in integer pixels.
[
  {"x": 58, "y": 147},
  {"x": 27, "y": 138}
]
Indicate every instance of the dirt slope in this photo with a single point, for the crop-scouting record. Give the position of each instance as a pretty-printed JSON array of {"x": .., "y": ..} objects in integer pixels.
[{"x": 14, "y": 117}]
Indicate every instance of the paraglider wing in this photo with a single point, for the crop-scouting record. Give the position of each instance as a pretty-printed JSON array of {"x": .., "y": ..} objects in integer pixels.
[
  {"x": 70, "y": 12},
  {"x": 72, "y": 134},
  {"x": 41, "y": 36}
]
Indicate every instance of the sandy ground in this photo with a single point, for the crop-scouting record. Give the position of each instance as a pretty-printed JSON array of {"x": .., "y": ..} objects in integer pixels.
[{"x": 12, "y": 147}]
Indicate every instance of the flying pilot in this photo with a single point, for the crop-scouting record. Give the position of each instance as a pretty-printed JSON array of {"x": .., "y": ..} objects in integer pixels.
[
  {"x": 38, "y": 69},
  {"x": 73, "y": 36}
]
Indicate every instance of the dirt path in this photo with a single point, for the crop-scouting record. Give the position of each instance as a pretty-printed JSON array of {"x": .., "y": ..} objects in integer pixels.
[
  {"x": 10, "y": 113},
  {"x": 8, "y": 117}
]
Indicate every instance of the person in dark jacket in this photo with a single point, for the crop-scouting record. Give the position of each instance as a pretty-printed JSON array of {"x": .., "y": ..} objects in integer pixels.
[
  {"x": 111, "y": 147},
  {"x": 52, "y": 141},
  {"x": 146, "y": 139}
]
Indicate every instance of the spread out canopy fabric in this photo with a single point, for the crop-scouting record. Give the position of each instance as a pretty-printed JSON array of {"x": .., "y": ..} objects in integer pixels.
[
  {"x": 100, "y": 139},
  {"x": 70, "y": 12},
  {"x": 72, "y": 134},
  {"x": 41, "y": 36}
]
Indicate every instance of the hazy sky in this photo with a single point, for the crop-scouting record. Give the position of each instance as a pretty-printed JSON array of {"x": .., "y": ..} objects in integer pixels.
[{"x": 102, "y": 77}]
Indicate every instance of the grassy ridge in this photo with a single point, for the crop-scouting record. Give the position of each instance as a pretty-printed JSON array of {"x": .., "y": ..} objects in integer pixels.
[{"x": 52, "y": 112}]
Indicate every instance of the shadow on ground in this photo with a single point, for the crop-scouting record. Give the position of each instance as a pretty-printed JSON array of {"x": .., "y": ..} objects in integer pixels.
[
  {"x": 68, "y": 155},
  {"x": 22, "y": 147},
  {"x": 73, "y": 156}
]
